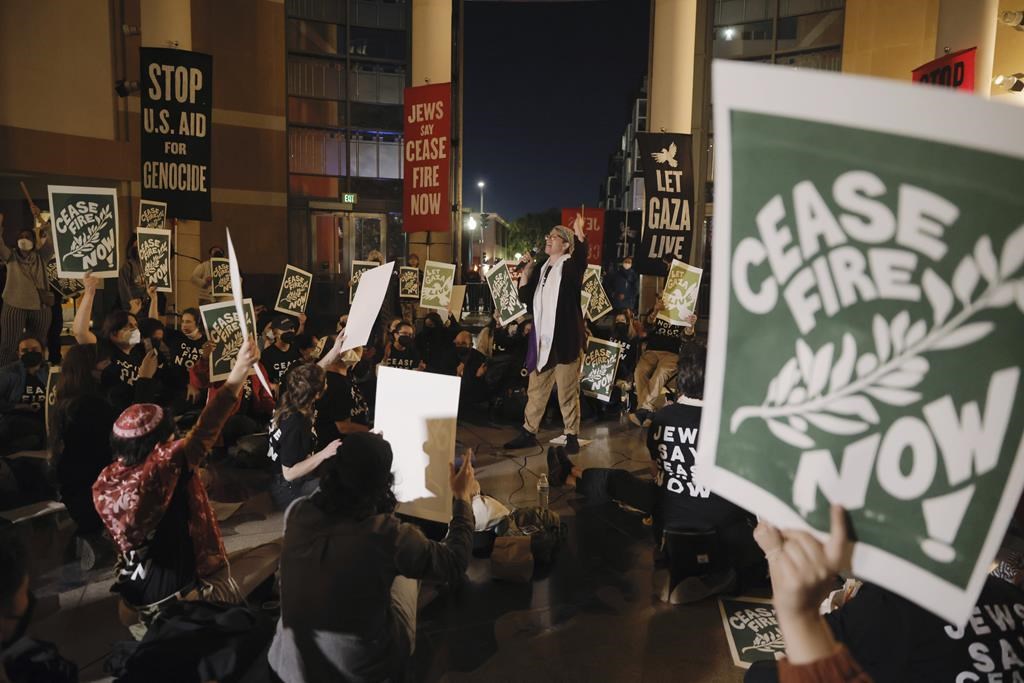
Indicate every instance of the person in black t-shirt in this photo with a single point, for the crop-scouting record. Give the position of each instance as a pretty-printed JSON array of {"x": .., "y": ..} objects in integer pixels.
[
  {"x": 282, "y": 353},
  {"x": 472, "y": 368},
  {"x": 402, "y": 353},
  {"x": 342, "y": 409},
  {"x": 657, "y": 363},
  {"x": 22, "y": 397},
  {"x": 186, "y": 349}
]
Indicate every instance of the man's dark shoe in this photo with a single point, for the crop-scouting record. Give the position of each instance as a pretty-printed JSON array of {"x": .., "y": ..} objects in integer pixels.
[
  {"x": 524, "y": 440},
  {"x": 572, "y": 444}
]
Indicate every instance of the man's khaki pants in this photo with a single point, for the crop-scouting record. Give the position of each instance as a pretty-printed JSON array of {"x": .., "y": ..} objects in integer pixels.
[
  {"x": 567, "y": 377},
  {"x": 652, "y": 370}
]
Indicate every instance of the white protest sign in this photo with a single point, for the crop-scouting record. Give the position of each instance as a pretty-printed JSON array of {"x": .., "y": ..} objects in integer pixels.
[
  {"x": 236, "y": 294},
  {"x": 455, "y": 305},
  {"x": 362, "y": 316}
]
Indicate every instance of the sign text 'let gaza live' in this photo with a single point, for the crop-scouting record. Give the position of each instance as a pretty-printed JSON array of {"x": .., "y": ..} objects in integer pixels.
[{"x": 426, "y": 158}]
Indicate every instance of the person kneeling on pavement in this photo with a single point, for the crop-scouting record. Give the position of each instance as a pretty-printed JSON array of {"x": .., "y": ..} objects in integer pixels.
[{"x": 156, "y": 508}]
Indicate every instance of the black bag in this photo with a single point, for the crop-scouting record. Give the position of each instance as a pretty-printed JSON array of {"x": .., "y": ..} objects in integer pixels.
[{"x": 544, "y": 528}]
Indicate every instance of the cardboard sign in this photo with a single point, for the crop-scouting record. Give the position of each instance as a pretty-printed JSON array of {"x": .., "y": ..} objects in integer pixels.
[
  {"x": 222, "y": 328},
  {"x": 584, "y": 302},
  {"x": 954, "y": 70},
  {"x": 293, "y": 295},
  {"x": 363, "y": 313},
  {"x": 152, "y": 215},
  {"x": 426, "y": 198},
  {"x": 752, "y": 630},
  {"x": 247, "y": 324},
  {"x": 505, "y": 293},
  {"x": 67, "y": 288},
  {"x": 85, "y": 234},
  {"x": 866, "y": 318},
  {"x": 176, "y": 106},
  {"x": 437, "y": 285},
  {"x": 220, "y": 272},
  {"x": 51, "y": 394},
  {"x": 458, "y": 298},
  {"x": 422, "y": 437},
  {"x": 667, "y": 160},
  {"x": 598, "y": 305},
  {"x": 593, "y": 226},
  {"x": 358, "y": 268},
  {"x": 408, "y": 283},
  {"x": 600, "y": 364},
  {"x": 680, "y": 294},
  {"x": 155, "y": 256}
]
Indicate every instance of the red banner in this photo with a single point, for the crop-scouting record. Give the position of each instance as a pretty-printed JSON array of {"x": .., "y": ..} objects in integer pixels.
[
  {"x": 955, "y": 70},
  {"x": 426, "y": 158},
  {"x": 593, "y": 225}
]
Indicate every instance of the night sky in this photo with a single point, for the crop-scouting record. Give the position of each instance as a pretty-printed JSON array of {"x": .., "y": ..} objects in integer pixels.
[{"x": 549, "y": 90}]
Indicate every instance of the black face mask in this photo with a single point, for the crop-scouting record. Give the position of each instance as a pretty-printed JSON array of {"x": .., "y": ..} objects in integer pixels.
[
  {"x": 405, "y": 340},
  {"x": 217, "y": 254},
  {"x": 287, "y": 337},
  {"x": 462, "y": 352},
  {"x": 32, "y": 359},
  {"x": 621, "y": 329},
  {"x": 23, "y": 622}
]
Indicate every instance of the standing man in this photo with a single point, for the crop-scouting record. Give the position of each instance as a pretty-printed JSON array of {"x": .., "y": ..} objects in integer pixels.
[
  {"x": 552, "y": 293},
  {"x": 202, "y": 276},
  {"x": 27, "y": 299},
  {"x": 621, "y": 285}
]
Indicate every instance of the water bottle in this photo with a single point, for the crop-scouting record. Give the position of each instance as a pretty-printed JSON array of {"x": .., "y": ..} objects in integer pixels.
[{"x": 542, "y": 492}]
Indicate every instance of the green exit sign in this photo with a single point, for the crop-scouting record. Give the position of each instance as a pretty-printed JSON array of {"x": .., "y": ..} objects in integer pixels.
[{"x": 350, "y": 198}]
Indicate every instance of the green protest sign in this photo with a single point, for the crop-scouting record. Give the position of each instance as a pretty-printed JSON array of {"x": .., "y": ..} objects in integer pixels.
[
  {"x": 505, "y": 293},
  {"x": 438, "y": 279},
  {"x": 152, "y": 215},
  {"x": 358, "y": 268},
  {"x": 598, "y": 305},
  {"x": 155, "y": 255},
  {"x": 222, "y": 328},
  {"x": 680, "y": 294},
  {"x": 752, "y": 630},
  {"x": 408, "y": 283},
  {"x": 65, "y": 287},
  {"x": 85, "y": 235},
  {"x": 220, "y": 273},
  {"x": 293, "y": 295},
  {"x": 600, "y": 363},
  {"x": 866, "y": 320}
]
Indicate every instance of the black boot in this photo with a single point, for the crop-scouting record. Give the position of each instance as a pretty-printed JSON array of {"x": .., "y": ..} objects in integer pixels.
[
  {"x": 563, "y": 460},
  {"x": 572, "y": 444},
  {"x": 524, "y": 440}
]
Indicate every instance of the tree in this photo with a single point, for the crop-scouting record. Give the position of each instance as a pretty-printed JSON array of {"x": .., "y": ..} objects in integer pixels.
[{"x": 528, "y": 231}]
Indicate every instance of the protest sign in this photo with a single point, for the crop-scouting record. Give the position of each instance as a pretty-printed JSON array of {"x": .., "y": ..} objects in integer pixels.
[
  {"x": 426, "y": 196},
  {"x": 866, "y": 317},
  {"x": 955, "y": 70},
  {"x": 600, "y": 363},
  {"x": 66, "y": 287},
  {"x": 85, "y": 235},
  {"x": 752, "y": 630},
  {"x": 152, "y": 215},
  {"x": 409, "y": 283},
  {"x": 176, "y": 98},
  {"x": 437, "y": 285},
  {"x": 220, "y": 273},
  {"x": 293, "y": 295},
  {"x": 51, "y": 394},
  {"x": 236, "y": 294},
  {"x": 422, "y": 437},
  {"x": 362, "y": 315},
  {"x": 667, "y": 160},
  {"x": 358, "y": 268},
  {"x": 598, "y": 305},
  {"x": 155, "y": 256},
  {"x": 593, "y": 227},
  {"x": 680, "y": 294},
  {"x": 458, "y": 298},
  {"x": 505, "y": 293},
  {"x": 222, "y": 328},
  {"x": 584, "y": 302}
]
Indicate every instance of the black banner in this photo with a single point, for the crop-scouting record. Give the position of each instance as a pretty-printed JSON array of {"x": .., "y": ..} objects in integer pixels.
[
  {"x": 177, "y": 102},
  {"x": 621, "y": 236},
  {"x": 667, "y": 160}
]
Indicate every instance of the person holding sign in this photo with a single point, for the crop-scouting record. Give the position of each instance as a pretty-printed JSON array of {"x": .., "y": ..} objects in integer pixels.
[
  {"x": 202, "y": 275},
  {"x": 658, "y": 361},
  {"x": 22, "y": 394},
  {"x": 27, "y": 297},
  {"x": 552, "y": 293}
]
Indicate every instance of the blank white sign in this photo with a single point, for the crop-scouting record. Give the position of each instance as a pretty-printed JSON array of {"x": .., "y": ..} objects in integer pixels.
[{"x": 362, "y": 316}]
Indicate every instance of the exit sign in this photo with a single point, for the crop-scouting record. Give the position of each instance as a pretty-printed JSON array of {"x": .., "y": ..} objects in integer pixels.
[{"x": 349, "y": 198}]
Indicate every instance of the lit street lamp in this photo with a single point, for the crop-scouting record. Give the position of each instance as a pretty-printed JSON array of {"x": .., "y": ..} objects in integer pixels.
[{"x": 480, "y": 184}]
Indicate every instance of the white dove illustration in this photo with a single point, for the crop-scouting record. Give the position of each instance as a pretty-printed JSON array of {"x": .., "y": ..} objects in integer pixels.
[{"x": 667, "y": 156}]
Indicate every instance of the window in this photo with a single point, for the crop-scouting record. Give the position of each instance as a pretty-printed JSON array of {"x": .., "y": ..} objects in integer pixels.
[
  {"x": 802, "y": 33},
  {"x": 319, "y": 10},
  {"x": 316, "y": 151},
  {"x": 313, "y": 36},
  {"x": 308, "y": 77}
]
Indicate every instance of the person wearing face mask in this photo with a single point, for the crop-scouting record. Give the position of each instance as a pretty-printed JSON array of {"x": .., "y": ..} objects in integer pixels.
[
  {"x": 342, "y": 409},
  {"x": 202, "y": 275},
  {"x": 22, "y": 398},
  {"x": 402, "y": 352},
  {"x": 281, "y": 352},
  {"x": 27, "y": 298},
  {"x": 622, "y": 285},
  {"x": 435, "y": 342}
]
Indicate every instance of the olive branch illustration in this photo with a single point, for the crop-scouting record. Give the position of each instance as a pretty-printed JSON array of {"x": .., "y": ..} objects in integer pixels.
[
  {"x": 772, "y": 643},
  {"x": 834, "y": 393},
  {"x": 86, "y": 242}
]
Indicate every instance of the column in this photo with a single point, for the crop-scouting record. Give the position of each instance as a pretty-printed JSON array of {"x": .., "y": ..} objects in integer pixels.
[{"x": 970, "y": 23}]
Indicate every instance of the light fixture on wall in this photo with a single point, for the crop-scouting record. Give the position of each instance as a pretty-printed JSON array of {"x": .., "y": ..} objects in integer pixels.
[
  {"x": 1014, "y": 19},
  {"x": 1012, "y": 83},
  {"x": 125, "y": 88}
]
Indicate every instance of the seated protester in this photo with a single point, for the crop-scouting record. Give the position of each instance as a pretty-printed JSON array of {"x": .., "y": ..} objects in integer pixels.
[
  {"x": 508, "y": 357},
  {"x": 402, "y": 352},
  {"x": 350, "y": 570},
  {"x": 293, "y": 435},
  {"x": 342, "y": 409},
  {"x": 306, "y": 345},
  {"x": 281, "y": 352},
  {"x": 657, "y": 363},
  {"x": 624, "y": 335},
  {"x": 155, "y": 507},
  {"x": 186, "y": 348},
  {"x": 472, "y": 368},
  {"x": 431, "y": 337},
  {"x": 24, "y": 659},
  {"x": 22, "y": 399},
  {"x": 152, "y": 333},
  {"x": 444, "y": 359}
]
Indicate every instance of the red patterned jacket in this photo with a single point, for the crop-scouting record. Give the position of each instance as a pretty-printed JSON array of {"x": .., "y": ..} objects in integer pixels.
[{"x": 131, "y": 501}]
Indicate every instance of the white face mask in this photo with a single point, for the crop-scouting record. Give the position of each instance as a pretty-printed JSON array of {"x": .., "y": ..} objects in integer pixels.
[
  {"x": 25, "y": 245},
  {"x": 135, "y": 337}
]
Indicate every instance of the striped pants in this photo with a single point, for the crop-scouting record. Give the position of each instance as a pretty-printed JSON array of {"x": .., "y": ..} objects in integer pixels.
[{"x": 15, "y": 322}]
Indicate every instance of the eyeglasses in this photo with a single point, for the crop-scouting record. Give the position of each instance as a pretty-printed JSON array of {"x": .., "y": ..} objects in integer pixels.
[{"x": 553, "y": 236}]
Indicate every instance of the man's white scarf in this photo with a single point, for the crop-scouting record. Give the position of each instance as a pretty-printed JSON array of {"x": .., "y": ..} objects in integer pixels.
[{"x": 545, "y": 308}]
